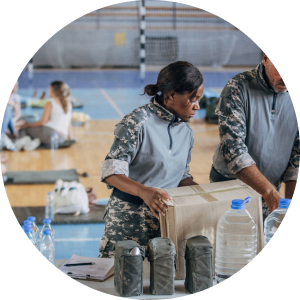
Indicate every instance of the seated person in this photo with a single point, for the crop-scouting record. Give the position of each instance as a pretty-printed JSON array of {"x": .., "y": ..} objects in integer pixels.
[
  {"x": 7, "y": 124},
  {"x": 14, "y": 102},
  {"x": 8, "y": 128},
  {"x": 56, "y": 118},
  {"x": 13, "y": 119}
]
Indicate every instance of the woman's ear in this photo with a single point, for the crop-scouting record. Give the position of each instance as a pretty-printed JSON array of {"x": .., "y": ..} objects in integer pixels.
[{"x": 171, "y": 96}]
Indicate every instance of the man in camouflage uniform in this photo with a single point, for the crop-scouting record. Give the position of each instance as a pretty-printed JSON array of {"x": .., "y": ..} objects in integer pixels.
[{"x": 259, "y": 136}]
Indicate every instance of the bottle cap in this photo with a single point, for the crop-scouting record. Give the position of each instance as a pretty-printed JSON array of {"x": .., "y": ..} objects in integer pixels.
[
  {"x": 28, "y": 229},
  {"x": 27, "y": 222},
  {"x": 47, "y": 232},
  {"x": 238, "y": 204},
  {"x": 49, "y": 193},
  {"x": 47, "y": 221},
  {"x": 31, "y": 218},
  {"x": 284, "y": 203}
]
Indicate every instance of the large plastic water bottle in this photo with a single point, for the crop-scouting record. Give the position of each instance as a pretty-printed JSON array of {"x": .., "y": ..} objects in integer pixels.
[
  {"x": 30, "y": 234},
  {"x": 236, "y": 243},
  {"x": 47, "y": 225},
  {"x": 47, "y": 247},
  {"x": 54, "y": 141},
  {"x": 34, "y": 227},
  {"x": 49, "y": 208},
  {"x": 274, "y": 219}
]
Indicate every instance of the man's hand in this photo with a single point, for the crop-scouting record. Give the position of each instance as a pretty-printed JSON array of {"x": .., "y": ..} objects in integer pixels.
[
  {"x": 152, "y": 197},
  {"x": 253, "y": 177},
  {"x": 272, "y": 199}
]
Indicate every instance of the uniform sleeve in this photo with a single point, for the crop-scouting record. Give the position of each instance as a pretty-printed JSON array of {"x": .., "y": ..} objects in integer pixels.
[
  {"x": 291, "y": 172},
  {"x": 187, "y": 169},
  {"x": 232, "y": 129},
  {"x": 122, "y": 152}
]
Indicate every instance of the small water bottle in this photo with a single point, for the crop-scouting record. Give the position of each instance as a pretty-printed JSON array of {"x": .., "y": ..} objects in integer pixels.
[
  {"x": 49, "y": 208},
  {"x": 47, "y": 225},
  {"x": 274, "y": 219},
  {"x": 54, "y": 141},
  {"x": 236, "y": 243},
  {"x": 27, "y": 223},
  {"x": 47, "y": 247},
  {"x": 30, "y": 234},
  {"x": 34, "y": 227}
]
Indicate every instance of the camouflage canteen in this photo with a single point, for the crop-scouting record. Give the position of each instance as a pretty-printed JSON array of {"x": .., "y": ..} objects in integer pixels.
[
  {"x": 128, "y": 278},
  {"x": 199, "y": 264},
  {"x": 162, "y": 257}
]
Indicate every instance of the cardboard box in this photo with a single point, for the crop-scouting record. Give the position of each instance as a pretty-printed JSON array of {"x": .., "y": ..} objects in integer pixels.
[{"x": 196, "y": 210}]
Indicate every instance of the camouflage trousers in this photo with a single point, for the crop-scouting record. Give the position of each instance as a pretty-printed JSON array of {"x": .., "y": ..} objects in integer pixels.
[{"x": 127, "y": 221}]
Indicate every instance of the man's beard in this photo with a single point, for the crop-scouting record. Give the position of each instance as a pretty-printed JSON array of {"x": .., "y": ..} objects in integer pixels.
[{"x": 279, "y": 86}]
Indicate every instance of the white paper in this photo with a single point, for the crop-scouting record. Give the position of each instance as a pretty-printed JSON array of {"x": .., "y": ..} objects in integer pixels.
[{"x": 102, "y": 268}]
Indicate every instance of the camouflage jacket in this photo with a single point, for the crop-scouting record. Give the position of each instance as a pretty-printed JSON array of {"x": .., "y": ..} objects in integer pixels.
[
  {"x": 257, "y": 126},
  {"x": 151, "y": 146}
]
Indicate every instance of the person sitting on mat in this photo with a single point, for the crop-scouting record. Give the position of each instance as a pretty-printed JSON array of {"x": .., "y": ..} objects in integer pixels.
[
  {"x": 8, "y": 128},
  {"x": 14, "y": 102},
  {"x": 151, "y": 151},
  {"x": 56, "y": 118}
]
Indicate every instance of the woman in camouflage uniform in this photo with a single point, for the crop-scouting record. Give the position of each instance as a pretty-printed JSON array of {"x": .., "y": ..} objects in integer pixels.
[{"x": 151, "y": 152}]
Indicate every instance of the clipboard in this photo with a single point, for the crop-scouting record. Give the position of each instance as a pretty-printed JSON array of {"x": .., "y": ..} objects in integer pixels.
[{"x": 102, "y": 268}]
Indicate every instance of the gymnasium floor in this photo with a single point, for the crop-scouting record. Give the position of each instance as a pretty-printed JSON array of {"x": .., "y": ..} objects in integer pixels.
[{"x": 107, "y": 96}]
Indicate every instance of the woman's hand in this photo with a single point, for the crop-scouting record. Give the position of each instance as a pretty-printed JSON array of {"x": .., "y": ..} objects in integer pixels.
[{"x": 152, "y": 197}]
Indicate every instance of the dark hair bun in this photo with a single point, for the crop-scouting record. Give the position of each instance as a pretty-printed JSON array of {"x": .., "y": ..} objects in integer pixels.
[{"x": 151, "y": 89}]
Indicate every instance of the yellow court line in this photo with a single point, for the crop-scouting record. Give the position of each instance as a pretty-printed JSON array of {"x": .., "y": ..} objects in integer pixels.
[{"x": 112, "y": 103}]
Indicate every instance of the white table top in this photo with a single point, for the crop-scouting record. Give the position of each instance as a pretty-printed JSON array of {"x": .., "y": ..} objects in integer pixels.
[{"x": 107, "y": 286}]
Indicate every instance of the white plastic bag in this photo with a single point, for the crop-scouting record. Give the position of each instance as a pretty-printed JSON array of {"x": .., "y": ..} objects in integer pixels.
[{"x": 70, "y": 198}]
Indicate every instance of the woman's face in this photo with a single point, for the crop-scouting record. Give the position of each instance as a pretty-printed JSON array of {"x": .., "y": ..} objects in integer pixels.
[{"x": 184, "y": 106}]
